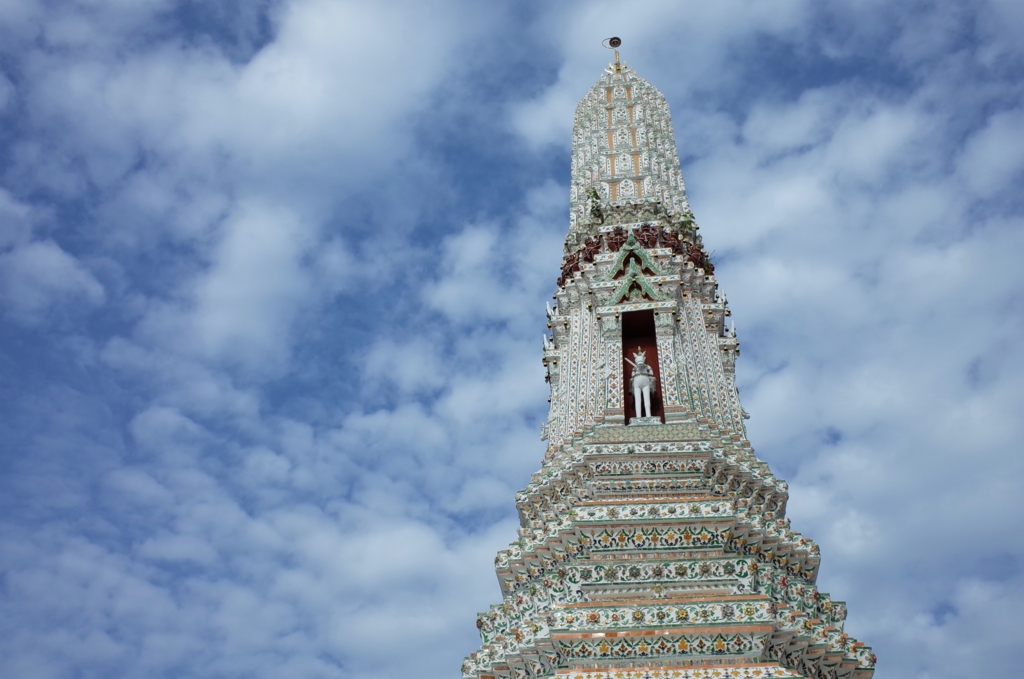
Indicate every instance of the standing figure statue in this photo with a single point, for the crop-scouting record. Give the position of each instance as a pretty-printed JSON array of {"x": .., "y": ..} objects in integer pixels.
[{"x": 642, "y": 382}]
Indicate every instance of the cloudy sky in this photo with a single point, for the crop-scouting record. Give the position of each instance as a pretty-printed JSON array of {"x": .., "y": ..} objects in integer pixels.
[{"x": 272, "y": 284}]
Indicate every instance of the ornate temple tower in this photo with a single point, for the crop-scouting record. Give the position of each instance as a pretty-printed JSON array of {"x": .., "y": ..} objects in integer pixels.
[{"x": 653, "y": 543}]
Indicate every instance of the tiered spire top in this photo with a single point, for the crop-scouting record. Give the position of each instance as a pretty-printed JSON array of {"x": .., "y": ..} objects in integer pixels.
[{"x": 623, "y": 146}]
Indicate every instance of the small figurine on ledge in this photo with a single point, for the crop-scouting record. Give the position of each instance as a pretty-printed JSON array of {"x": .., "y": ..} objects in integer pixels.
[{"x": 642, "y": 382}]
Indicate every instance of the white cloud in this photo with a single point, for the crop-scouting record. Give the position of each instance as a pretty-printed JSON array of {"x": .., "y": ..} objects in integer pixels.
[
  {"x": 16, "y": 220},
  {"x": 38, "y": 275},
  {"x": 792, "y": 127},
  {"x": 245, "y": 303},
  {"x": 491, "y": 272},
  {"x": 410, "y": 366},
  {"x": 993, "y": 157}
]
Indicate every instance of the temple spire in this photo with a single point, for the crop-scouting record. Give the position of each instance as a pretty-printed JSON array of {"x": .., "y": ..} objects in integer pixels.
[
  {"x": 653, "y": 543},
  {"x": 623, "y": 147}
]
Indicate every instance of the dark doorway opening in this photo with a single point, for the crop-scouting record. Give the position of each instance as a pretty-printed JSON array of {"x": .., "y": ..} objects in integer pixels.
[{"x": 638, "y": 333}]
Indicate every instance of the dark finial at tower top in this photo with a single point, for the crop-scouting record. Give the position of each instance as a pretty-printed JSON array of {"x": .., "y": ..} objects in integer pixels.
[{"x": 612, "y": 44}]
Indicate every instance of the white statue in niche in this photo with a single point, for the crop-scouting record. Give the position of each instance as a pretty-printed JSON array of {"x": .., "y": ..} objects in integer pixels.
[{"x": 642, "y": 382}]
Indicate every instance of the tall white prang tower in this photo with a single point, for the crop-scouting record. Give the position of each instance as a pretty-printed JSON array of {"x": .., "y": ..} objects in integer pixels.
[{"x": 653, "y": 543}]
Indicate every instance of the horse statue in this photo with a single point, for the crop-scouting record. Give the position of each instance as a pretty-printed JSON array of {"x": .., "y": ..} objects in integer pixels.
[{"x": 642, "y": 382}]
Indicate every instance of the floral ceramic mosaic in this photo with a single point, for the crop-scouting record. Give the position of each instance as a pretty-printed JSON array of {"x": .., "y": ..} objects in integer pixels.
[
  {"x": 742, "y": 672},
  {"x": 657, "y": 549}
]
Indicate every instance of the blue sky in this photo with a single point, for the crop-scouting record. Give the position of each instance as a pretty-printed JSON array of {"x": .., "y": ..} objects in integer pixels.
[{"x": 272, "y": 284}]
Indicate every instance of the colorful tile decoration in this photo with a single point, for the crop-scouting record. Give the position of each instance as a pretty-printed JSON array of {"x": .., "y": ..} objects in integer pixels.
[{"x": 661, "y": 550}]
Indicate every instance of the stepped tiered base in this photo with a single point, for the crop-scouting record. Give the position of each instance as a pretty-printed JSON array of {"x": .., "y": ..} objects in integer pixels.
[{"x": 664, "y": 559}]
